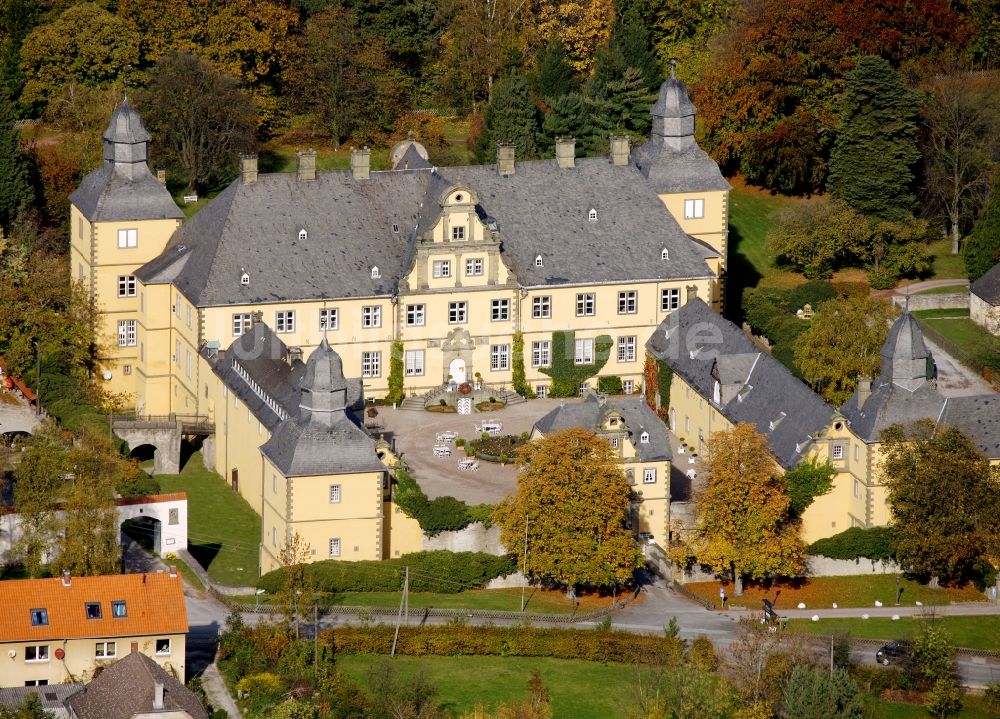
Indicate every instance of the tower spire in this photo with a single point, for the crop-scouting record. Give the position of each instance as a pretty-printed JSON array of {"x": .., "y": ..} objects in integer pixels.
[{"x": 673, "y": 68}]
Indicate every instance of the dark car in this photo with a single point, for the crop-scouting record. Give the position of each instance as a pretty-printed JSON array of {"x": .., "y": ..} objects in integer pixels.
[{"x": 894, "y": 652}]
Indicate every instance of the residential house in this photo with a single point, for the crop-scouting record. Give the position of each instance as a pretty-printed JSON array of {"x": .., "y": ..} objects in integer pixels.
[{"x": 984, "y": 300}]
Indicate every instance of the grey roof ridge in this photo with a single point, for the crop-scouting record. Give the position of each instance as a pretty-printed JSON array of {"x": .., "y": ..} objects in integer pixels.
[{"x": 752, "y": 368}]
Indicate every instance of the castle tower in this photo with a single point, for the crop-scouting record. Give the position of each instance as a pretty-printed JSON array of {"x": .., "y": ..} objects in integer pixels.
[{"x": 905, "y": 358}]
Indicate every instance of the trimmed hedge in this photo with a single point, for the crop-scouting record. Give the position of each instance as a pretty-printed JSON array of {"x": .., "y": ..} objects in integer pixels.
[
  {"x": 442, "y": 514},
  {"x": 873, "y": 543},
  {"x": 609, "y": 384},
  {"x": 594, "y": 646},
  {"x": 437, "y": 571}
]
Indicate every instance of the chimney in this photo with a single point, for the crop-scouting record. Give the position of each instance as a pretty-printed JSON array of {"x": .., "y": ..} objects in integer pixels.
[
  {"x": 619, "y": 149},
  {"x": 566, "y": 152},
  {"x": 161, "y": 176},
  {"x": 67, "y": 580},
  {"x": 134, "y": 648},
  {"x": 692, "y": 292},
  {"x": 361, "y": 161},
  {"x": 158, "y": 696},
  {"x": 864, "y": 390},
  {"x": 172, "y": 571},
  {"x": 305, "y": 165},
  {"x": 294, "y": 353},
  {"x": 248, "y": 169},
  {"x": 505, "y": 158}
]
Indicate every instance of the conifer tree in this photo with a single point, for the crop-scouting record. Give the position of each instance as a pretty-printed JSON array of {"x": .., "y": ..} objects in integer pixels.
[
  {"x": 555, "y": 76},
  {"x": 629, "y": 46},
  {"x": 15, "y": 192},
  {"x": 510, "y": 117},
  {"x": 982, "y": 246},
  {"x": 875, "y": 152},
  {"x": 620, "y": 106},
  {"x": 569, "y": 117}
]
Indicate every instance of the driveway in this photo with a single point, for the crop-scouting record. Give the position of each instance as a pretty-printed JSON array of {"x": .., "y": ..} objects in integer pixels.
[
  {"x": 17, "y": 416},
  {"x": 415, "y": 433},
  {"x": 954, "y": 378}
]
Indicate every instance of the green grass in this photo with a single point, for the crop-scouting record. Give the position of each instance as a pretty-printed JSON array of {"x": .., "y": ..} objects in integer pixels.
[
  {"x": 508, "y": 600},
  {"x": 750, "y": 219},
  {"x": 963, "y": 332},
  {"x": 189, "y": 575},
  {"x": 946, "y": 290},
  {"x": 946, "y": 265},
  {"x": 579, "y": 689},
  {"x": 974, "y": 632},
  {"x": 974, "y": 707},
  {"x": 943, "y": 312},
  {"x": 223, "y": 531}
]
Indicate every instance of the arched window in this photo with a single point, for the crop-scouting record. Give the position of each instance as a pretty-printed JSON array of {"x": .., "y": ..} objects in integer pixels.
[
  {"x": 245, "y": 279},
  {"x": 592, "y": 215},
  {"x": 375, "y": 273},
  {"x": 303, "y": 235},
  {"x": 538, "y": 260}
]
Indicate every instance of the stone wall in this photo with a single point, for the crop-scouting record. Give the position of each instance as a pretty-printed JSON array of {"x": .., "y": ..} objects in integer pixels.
[
  {"x": 817, "y": 567},
  {"x": 474, "y": 538},
  {"x": 984, "y": 314},
  {"x": 934, "y": 302}
]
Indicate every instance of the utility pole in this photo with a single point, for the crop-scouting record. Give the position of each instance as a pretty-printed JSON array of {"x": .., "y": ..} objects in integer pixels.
[
  {"x": 403, "y": 602},
  {"x": 524, "y": 563},
  {"x": 38, "y": 378}
]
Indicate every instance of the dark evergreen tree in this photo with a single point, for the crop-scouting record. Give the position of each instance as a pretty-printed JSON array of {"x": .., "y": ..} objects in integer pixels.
[
  {"x": 510, "y": 117},
  {"x": 620, "y": 107},
  {"x": 15, "y": 191},
  {"x": 555, "y": 76},
  {"x": 813, "y": 693},
  {"x": 629, "y": 46},
  {"x": 875, "y": 152},
  {"x": 982, "y": 246},
  {"x": 569, "y": 117},
  {"x": 18, "y": 18}
]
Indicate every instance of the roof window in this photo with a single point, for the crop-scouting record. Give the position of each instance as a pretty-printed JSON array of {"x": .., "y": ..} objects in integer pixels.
[
  {"x": 245, "y": 279},
  {"x": 303, "y": 235},
  {"x": 395, "y": 228},
  {"x": 118, "y": 609},
  {"x": 538, "y": 260},
  {"x": 664, "y": 254},
  {"x": 93, "y": 610},
  {"x": 644, "y": 438},
  {"x": 375, "y": 273},
  {"x": 592, "y": 215},
  {"x": 39, "y": 617}
]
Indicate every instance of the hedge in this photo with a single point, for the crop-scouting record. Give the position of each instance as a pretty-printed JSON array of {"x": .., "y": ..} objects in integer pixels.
[
  {"x": 441, "y": 514},
  {"x": 873, "y": 543},
  {"x": 437, "y": 571},
  {"x": 567, "y": 376},
  {"x": 516, "y": 641},
  {"x": 609, "y": 384}
]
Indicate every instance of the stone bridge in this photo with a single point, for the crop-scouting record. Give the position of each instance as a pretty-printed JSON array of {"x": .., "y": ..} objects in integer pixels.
[{"x": 164, "y": 433}]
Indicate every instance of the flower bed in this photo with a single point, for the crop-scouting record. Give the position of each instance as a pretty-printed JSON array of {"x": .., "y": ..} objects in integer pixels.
[
  {"x": 498, "y": 449},
  {"x": 490, "y": 406}
]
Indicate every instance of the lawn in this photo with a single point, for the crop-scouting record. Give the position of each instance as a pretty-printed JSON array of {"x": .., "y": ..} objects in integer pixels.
[
  {"x": 223, "y": 531},
  {"x": 943, "y": 312},
  {"x": 976, "y": 632},
  {"x": 579, "y": 689},
  {"x": 963, "y": 332},
  {"x": 508, "y": 600},
  {"x": 946, "y": 265},
  {"x": 822, "y": 592},
  {"x": 947, "y": 290},
  {"x": 974, "y": 707}
]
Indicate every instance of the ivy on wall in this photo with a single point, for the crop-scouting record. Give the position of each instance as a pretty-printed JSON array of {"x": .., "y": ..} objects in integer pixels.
[
  {"x": 657, "y": 376},
  {"x": 395, "y": 394},
  {"x": 565, "y": 373},
  {"x": 519, "y": 381}
]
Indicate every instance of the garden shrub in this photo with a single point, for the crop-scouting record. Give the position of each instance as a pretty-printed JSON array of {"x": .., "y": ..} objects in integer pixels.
[
  {"x": 567, "y": 376},
  {"x": 441, "y": 514},
  {"x": 493, "y": 448},
  {"x": 874, "y": 543},
  {"x": 437, "y": 571},
  {"x": 263, "y": 685},
  {"x": 814, "y": 292},
  {"x": 702, "y": 654}
]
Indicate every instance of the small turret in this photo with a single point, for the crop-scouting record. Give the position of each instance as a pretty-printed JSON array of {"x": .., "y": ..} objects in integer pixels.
[
  {"x": 126, "y": 142},
  {"x": 324, "y": 388},
  {"x": 673, "y": 114},
  {"x": 905, "y": 358}
]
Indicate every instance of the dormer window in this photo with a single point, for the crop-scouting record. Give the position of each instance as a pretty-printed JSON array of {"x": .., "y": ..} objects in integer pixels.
[
  {"x": 664, "y": 254},
  {"x": 303, "y": 235},
  {"x": 458, "y": 233},
  {"x": 538, "y": 260},
  {"x": 592, "y": 215},
  {"x": 644, "y": 438},
  {"x": 375, "y": 273},
  {"x": 395, "y": 228},
  {"x": 245, "y": 279}
]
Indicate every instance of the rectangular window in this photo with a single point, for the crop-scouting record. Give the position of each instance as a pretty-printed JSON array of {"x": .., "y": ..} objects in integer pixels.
[
  {"x": 500, "y": 310},
  {"x": 128, "y": 238},
  {"x": 162, "y": 647},
  {"x": 670, "y": 299},
  {"x": 857, "y": 488},
  {"x": 541, "y": 354},
  {"x": 457, "y": 233},
  {"x": 36, "y": 683},
  {"x": 414, "y": 363},
  {"x": 177, "y": 305},
  {"x": 177, "y": 352},
  {"x": 474, "y": 267},
  {"x": 694, "y": 209},
  {"x": 584, "y": 352},
  {"x": 442, "y": 268},
  {"x": 39, "y": 617},
  {"x": 628, "y": 302},
  {"x": 334, "y": 493},
  {"x": 614, "y": 442},
  {"x": 126, "y": 285},
  {"x": 838, "y": 451},
  {"x": 371, "y": 316},
  {"x": 126, "y": 333},
  {"x": 328, "y": 319},
  {"x": 335, "y": 547},
  {"x": 499, "y": 357},
  {"x": 541, "y": 391},
  {"x": 284, "y": 321},
  {"x": 416, "y": 315},
  {"x": 371, "y": 364},
  {"x": 37, "y": 653},
  {"x": 105, "y": 650},
  {"x": 458, "y": 313},
  {"x": 187, "y": 316},
  {"x": 628, "y": 386},
  {"x": 585, "y": 304},
  {"x": 626, "y": 349},
  {"x": 541, "y": 307},
  {"x": 241, "y": 323},
  {"x": 857, "y": 453},
  {"x": 649, "y": 475},
  {"x": 93, "y": 610},
  {"x": 189, "y": 363}
]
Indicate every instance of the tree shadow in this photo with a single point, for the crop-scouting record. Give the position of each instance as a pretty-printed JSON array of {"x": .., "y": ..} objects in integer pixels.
[
  {"x": 270, "y": 161},
  {"x": 204, "y": 553},
  {"x": 740, "y": 274}
]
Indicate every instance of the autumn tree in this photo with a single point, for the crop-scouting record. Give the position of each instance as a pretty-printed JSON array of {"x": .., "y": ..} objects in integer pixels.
[
  {"x": 873, "y": 161},
  {"x": 680, "y": 692},
  {"x": 944, "y": 497},
  {"x": 573, "y": 500},
  {"x": 17, "y": 19},
  {"x": 814, "y": 693},
  {"x": 816, "y": 238},
  {"x": 842, "y": 343},
  {"x": 199, "y": 118},
  {"x": 684, "y": 30},
  {"x": 629, "y": 46},
  {"x": 38, "y": 483},
  {"x": 982, "y": 246},
  {"x": 744, "y": 527},
  {"x": 510, "y": 118},
  {"x": 583, "y": 27},
  {"x": 959, "y": 118}
]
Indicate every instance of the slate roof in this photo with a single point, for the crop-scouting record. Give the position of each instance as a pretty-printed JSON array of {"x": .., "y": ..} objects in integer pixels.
[
  {"x": 127, "y": 687},
  {"x": 154, "y": 605},
  {"x": 764, "y": 393},
  {"x": 106, "y": 196},
  {"x": 669, "y": 170},
  {"x": 988, "y": 286},
  {"x": 589, "y": 415},
  {"x": 126, "y": 125},
  {"x": 541, "y": 209},
  {"x": 979, "y": 419},
  {"x": 53, "y": 697},
  {"x": 889, "y": 405},
  {"x": 672, "y": 100},
  {"x": 904, "y": 340}
]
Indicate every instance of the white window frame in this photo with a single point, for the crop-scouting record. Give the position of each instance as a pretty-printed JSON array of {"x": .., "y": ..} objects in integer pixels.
[
  {"x": 371, "y": 364},
  {"x": 628, "y": 302},
  {"x": 583, "y": 352},
  {"x": 40, "y": 649},
  {"x": 441, "y": 269},
  {"x": 177, "y": 352},
  {"x": 837, "y": 452},
  {"x": 541, "y": 391},
  {"x": 242, "y": 323},
  {"x": 649, "y": 475},
  {"x": 336, "y": 493},
  {"x": 189, "y": 363},
  {"x": 416, "y": 315},
  {"x": 500, "y": 310},
  {"x": 474, "y": 267},
  {"x": 458, "y": 233},
  {"x": 628, "y": 386},
  {"x": 335, "y": 546},
  {"x": 105, "y": 650},
  {"x": 458, "y": 313},
  {"x": 586, "y": 304},
  {"x": 128, "y": 238},
  {"x": 371, "y": 316},
  {"x": 541, "y": 307},
  {"x": 670, "y": 299},
  {"x": 414, "y": 363},
  {"x": 329, "y": 319},
  {"x": 127, "y": 333},
  {"x": 284, "y": 321},
  {"x": 541, "y": 353},
  {"x": 499, "y": 358},
  {"x": 162, "y": 652},
  {"x": 694, "y": 209},
  {"x": 626, "y": 348},
  {"x": 126, "y": 286}
]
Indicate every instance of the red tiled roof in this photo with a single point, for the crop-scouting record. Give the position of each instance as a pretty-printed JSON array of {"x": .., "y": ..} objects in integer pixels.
[
  {"x": 154, "y": 605},
  {"x": 12, "y": 382}
]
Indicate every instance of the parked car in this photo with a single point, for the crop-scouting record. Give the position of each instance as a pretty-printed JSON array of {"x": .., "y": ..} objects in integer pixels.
[{"x": 894, "y": 652}]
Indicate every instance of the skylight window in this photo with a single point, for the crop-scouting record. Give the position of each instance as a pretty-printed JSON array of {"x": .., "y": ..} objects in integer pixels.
[
  {"x": 39, "y": 617},
  {"x": 644, "y": 438}
]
